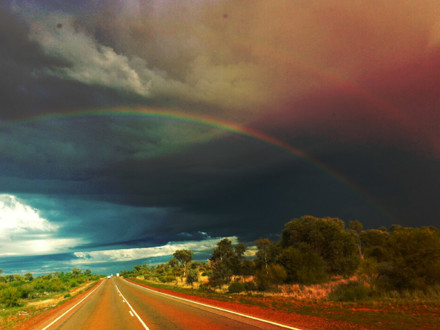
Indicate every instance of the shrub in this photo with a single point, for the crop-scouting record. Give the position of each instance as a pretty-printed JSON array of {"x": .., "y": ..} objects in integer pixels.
[
  {"x": 9, "y": 297},
  {"x": 55, "y": 285},
  {"x": 250, "y": 286},
  {"x": 166, "y": 279},
  {"x": 323, "y": 238},
  {"x": 303, "y": 265},
  {"x": 351, "y": 291},
  {"x": 26, "y": 291},
  {"x": 262, "y": 280},
  {"x": 236, "y": 287},
  {"x": 193, "y": 276},
  {"x": 205, "y": 287}
]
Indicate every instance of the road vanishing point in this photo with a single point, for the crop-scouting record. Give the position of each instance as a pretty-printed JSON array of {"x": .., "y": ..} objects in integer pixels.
[{"x": 118, "y": 304}]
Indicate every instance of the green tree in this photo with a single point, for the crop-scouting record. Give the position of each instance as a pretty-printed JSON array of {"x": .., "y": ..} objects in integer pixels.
[
  {"x": 267, "y": 253},
  {"x": 413, "y": 261},
  {"x": 193, "y": 276},
  {"x": 28, "y": 277},
  {"x": 184, "y": 257},
  {"x": 76, "y": 272},
  {"x": 327, "y": 238},
  {"x": 239, "y": 249},
  {"x": 356, "y": 225},
  {"x": 224, "y": 252},
  {"x": 221, "y": 273},
  {"x": 303, "y": 265},
  {"x": 224, "y": 263},
  {"x": 374, "y": 244}
]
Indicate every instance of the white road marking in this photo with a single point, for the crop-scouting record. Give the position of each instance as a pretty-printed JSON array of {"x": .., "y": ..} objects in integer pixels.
[
  {"x": 59, "y": 317},
  {"x": 131, "y": 313},
  {"x": 220, "y": 309},
  {"x": 132, "y": 310}
]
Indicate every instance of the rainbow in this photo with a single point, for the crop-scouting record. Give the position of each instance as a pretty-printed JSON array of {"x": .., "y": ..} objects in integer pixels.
[{"x": 206, "y": 121}]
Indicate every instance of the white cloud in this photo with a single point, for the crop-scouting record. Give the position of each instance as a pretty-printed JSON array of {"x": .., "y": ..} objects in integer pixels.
[
  {"x": 24, "y": 232},
  {"x": 19, "y": 218},
  {"x": 88, "y": 61},
  {"x": 150, "y": 252},
  {"x": 251, "y": 251},
  {"x": 93, "y": 63}
]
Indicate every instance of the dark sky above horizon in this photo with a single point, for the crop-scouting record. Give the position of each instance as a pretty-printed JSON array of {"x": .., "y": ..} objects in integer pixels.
[{"x": 242, "y": 117}]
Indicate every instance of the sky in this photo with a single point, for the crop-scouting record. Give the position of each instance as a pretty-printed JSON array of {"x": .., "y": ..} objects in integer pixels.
[{"x": 130, "y": 129}]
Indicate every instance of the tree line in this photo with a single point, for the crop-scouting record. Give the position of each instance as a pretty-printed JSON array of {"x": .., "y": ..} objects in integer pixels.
[{"x": 315, "y": 250}]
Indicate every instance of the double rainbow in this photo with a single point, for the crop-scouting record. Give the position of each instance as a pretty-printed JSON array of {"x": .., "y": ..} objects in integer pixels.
[{"x": 206, "y": 121}]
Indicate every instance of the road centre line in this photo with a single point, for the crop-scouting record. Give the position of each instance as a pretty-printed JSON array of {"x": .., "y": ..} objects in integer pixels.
[
  {"x": 59, "y": 317},
  {"x": 220, "y": 309},
  {"x": 132, "y": 310}
]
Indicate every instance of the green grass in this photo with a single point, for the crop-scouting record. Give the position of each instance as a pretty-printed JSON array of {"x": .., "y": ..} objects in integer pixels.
[{"x": 12, "y": 316}]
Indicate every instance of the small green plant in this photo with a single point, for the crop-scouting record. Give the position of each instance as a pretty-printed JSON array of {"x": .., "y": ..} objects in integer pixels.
[{"x": 236, "y": 287}]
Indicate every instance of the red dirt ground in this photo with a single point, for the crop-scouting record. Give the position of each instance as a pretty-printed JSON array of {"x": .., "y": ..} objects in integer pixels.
[{"x": 291, "y": 319}]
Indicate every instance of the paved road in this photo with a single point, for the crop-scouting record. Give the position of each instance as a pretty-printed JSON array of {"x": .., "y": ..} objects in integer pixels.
[{"x": 118, "y": 304}]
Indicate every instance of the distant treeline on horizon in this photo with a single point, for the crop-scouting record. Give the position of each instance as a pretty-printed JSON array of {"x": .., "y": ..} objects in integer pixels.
[{"x": 316, "y": 250}]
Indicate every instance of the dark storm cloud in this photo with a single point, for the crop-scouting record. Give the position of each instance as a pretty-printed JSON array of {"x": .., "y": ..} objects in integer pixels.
[{"x": 329, "y": 82}]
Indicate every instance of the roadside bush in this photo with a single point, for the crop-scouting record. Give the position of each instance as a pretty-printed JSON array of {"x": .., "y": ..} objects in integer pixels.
[
  {"x": 303, "y": 265},
  {"x": 193, "y": 276},
  {"x": 250, "y": 286},
  {"x": 167, "y": 279},
  {"x": 205, "y": 287},
  {"x": 351, "y": 291},
  {"x": 236, "y": 287},
  {"x": 9, "y": 297},
  {"x": 26, "y": 291},
  {"x": 262, "y": 280},
  {"x": 55, "y": 285}
]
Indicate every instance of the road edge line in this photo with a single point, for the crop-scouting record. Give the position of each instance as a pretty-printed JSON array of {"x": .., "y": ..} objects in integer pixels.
[
  {"x": 59, "y": 317},
  {"x": 138, "y": 317},
  {"x": 219, "y": 308}
]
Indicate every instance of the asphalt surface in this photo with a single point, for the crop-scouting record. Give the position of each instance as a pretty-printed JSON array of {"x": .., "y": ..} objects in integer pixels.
[{"x": 118, "y": 304}]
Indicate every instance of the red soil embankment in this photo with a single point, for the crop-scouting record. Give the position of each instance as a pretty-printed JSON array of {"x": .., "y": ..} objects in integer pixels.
[{"x": 291, "y": 319}]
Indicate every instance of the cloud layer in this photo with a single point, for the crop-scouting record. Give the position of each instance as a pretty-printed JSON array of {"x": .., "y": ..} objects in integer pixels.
[
  {"x": 121, "y": 255},
  {"x": 353, "y": 83},
  {"x": 24, "y": 232}
]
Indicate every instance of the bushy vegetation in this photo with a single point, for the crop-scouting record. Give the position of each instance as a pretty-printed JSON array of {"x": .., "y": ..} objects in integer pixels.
[
  {"x": 15, "y": 288},
  {"x": 402, "y": 258},
  {"x": 351, "y": 291},
  {"x": 316, "y": 250},
  {"x": 236, "y": 287}
]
